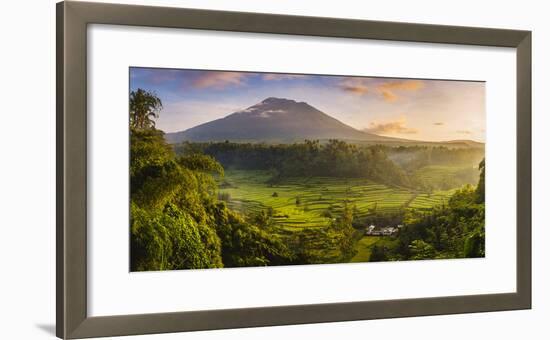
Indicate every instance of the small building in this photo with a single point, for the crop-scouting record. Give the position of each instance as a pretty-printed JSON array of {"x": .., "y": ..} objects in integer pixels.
[
  {"x": 389, "y": 231},
  {"x": 372, "y": 230}
]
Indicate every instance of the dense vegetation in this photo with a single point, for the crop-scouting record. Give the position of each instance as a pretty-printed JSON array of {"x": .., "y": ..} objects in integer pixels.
[
  {"x": 212, "y": 205},
  {"x": 309, "y": 159},
  {"x": 411, "y": 167},
  {"x": 453, "y": 230},
  {"x": 176, "y": 220}
]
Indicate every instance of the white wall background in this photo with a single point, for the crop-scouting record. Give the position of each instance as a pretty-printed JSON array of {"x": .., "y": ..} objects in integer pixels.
[{"x": 27, "y": 168}]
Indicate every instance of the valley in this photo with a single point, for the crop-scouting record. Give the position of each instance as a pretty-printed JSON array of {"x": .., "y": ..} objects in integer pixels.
[
  {"x": 312, "y": 203},
  {"x": 303, "y": 202}
]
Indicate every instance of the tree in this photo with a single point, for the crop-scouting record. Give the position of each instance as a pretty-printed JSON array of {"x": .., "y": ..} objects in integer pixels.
[
  {"x": 480, "y": 191},
  {"x": 343, "y": 228},
  {"x": 421, "y": 250},
  {"x": 378, "y": 254},
  {"x": 144, "y": 106}
]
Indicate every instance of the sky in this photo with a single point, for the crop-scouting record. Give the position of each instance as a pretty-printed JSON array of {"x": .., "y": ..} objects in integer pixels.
[{"x": 419, "y": 109}]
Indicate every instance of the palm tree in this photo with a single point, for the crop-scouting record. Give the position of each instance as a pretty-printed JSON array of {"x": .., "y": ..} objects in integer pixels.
[{"x": 144, "y": 106}]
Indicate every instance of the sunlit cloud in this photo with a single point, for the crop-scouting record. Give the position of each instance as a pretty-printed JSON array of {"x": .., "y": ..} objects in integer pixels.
[
  {"x": 390, "y": 89},
  {"x": 354, "y": 85},
  {"x": 387, "y": 90},
  {"x": 389, "y": 96},
  {"x": 391, "y": 128},
  {"x": 405, "y": 85},
  {"x": 219, "y": 80}
]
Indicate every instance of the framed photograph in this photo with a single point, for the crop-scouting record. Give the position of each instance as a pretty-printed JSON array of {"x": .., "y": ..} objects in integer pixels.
[{"x": 222, "y": 170}]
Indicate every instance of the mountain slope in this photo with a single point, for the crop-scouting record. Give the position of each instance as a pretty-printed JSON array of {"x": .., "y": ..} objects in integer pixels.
[{"x": 274, "y": 120}]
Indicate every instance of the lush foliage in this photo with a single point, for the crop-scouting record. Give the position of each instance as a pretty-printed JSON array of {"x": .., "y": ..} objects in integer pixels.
[{"x": 177, "y": 221}]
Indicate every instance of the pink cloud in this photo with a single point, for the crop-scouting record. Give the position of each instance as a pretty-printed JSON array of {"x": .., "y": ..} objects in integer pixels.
[{"x": 219, "y": 80}]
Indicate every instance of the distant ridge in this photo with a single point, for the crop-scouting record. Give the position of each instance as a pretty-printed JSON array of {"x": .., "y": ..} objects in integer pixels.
[{"x": 467, "y": 142}]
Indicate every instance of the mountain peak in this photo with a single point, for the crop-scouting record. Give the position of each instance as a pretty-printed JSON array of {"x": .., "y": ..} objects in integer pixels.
[
  {"x": 274, "y": 119},
  {"x": 275, "y": 100}
]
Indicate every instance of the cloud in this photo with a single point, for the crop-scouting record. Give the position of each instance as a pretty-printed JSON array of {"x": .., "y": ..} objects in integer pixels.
[
  {"x": 390, "y": 128},
  {"x": 439, "y": 123},
  {"x": 354, "y": 85},
  {"x": 389, "y": 96},
  {"x": 388, "y": 90},
  {"x": 464, "y": 132},
  {"x": 282, "y": 76},
  {"x": 405, "y": 85},
  {"x": 219, "y": 80}
]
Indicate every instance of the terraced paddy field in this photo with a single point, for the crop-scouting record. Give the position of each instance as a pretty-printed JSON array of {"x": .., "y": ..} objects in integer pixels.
[
  {"x": 448, "y": 176},
  {"x": 311, "y": 202},
  {"x": 308, "y": 205},
  {"x": 427, "y": 201}
]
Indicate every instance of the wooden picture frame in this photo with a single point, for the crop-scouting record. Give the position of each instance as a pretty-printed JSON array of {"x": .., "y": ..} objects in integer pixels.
[{"x": 72, "y": 21}]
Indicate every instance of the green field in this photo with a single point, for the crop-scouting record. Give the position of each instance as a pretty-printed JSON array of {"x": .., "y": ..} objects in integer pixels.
[
  {"x": 303, "y": 202},
  {"x": 310, "y": 202}
]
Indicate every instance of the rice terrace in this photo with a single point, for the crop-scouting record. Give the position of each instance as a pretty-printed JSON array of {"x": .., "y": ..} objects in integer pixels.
[
  {"x": 319, "y": 196},
  {"x": 388, "y": 176}
]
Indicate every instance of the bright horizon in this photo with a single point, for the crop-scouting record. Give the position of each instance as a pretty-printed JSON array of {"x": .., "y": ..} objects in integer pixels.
[{"x": 416, "y": 109}]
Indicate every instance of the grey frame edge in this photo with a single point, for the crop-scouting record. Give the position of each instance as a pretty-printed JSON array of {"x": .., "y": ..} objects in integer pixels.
[{"x": 71, "y": 145}]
